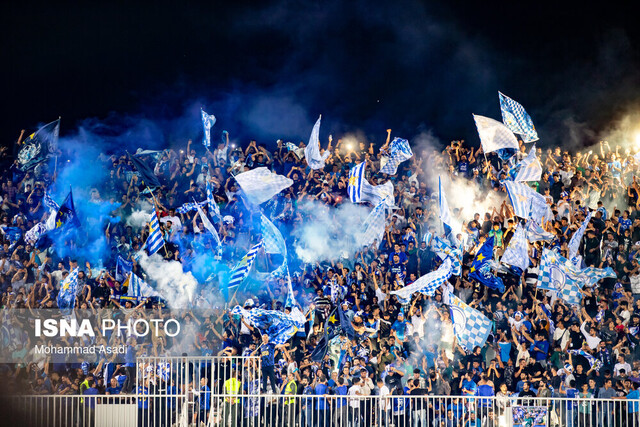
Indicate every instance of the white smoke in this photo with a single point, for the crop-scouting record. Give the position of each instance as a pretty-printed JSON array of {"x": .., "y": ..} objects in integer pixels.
[
  {"x": 170, "y": 280},
  {"x": 141, "y": 215}
]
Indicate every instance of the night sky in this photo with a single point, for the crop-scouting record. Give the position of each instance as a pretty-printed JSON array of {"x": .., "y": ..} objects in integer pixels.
[{"x": 267, "y": 69}]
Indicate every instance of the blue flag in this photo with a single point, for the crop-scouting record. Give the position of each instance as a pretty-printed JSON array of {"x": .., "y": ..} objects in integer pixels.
[
  {"x": 277, "y": 325},
  {"x": 470, "y": 326},
  {"x": 516, "y": 118},
  {"x": 155, "y": 240},
  {"x": 399, "y": 151},
  {"x": 67, "y": 213},
  {"x": 123, "y": 268},
  {"x": 146, "y": 173},
  {"x": 68, "y": 288},
  {"x": 37, "y": 147},
  {"x": 517, "y": 253},
  {"x": 481, "y": 268},
  {"x": 356, "y": 176},
  {"x": 558, "y": 274},
  {"x": 208, "y": 120}
]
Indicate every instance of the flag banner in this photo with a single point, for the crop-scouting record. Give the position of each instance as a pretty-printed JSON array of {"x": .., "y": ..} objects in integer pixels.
[
  {"x": 279, "y": 326},
  {"x": 136, "y": 287},
  {"x": 37, "y": 146},
  {"x": 444, "y": 251},
  {"x": 375, "y": 194},
  {"x": 208, "y": 226},
  {"x": 260, "y": 184},
  {"x": 398, "y": 152},
  {"x": 208, "y": 120},
  {"x": 530, "y": 168},
  {"x": 155, "y": 240},
  {"x": 574, "y": 243},
  {"x": 190, "y": 206},
  {"x": 68, "y": 288},
  {"x": 146, "y": 173},
  {"x": 49, "y": 203},
  {"x": 445, "y": 213},
  {"x": 315, "y": 160},
  {"x": 516, "y": 118},
  {"x": 336, "y": 324},
  {"x": 427, "y": 284},
  {"x": 517, "y": 253},
  {"x": 494, "y": 135},
  {"x": 536, "y": 233},
  {"x": 299, "y": 152},
  {"x": 243, "y": 268},
  {"x": 123, "y": 268},
  {"x": 481, "y": 268},
  {"x": 530, "y": 416},
  {"x": 590, "y": 276},
  {"x": 594, "y": 363},
  {"x": 558, "y": 274},
  {"x": 470, "y": 326},
  {"x": 373, "y": 226},
  {"x": 526, "y": 202},
  {"x": 214, "y": 211},
  {"x": 272, "y": 238},
  {"x": 66, "y": 215},
  {"x": 356, "y": 178}
]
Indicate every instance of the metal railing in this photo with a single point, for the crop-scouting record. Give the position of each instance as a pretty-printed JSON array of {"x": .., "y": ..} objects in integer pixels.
[{"x": 337, "y": 410}]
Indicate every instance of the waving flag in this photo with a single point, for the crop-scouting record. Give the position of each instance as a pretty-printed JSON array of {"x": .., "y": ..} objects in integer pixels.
[
  {"x": 517, "y": 253},
  {"x": 336, "y": 324},
  {"x": 208, "y": 120},
  {"x": 279, "y": 326},
  {"x": 146, "y": 173},
  {"x": 444, "y": 251},
  {"x": 37, "y": 146},
  {"x": 260, "y": 184},
  {"x": 213, "y": 207},
  {"x": 190, "y": 206},
  {"x": 49, "y": 202},
  {"x": 123, "y": 268},
  {"x": 445, "y": 213},
  {"x": 155, "y": 240},
  {"x": 494, "y": 135},
  {"x": 481, "y": 268},
  {"x": 536, "y": 233},
  {"x": 530, "y": 168},
  {"x": 312, "y": 151},
  {"x": 399, "y": 151},
  {"x": 470, "y": 326},
  {"x": 378, "y": 193},
  {"x": 590, "y": 276},
  {"x": 66, "y": 215},
  {"x": 427, "y": 284},
  {"x": 68, "y": 288},
  {"x": 272, "y": 238},
  {"x": 574, "y": 243},
  {"x": 373, "y": 226},
  {"x": 356, "y": 179},
  {"x": 522, "y": 198},
  {"x": 516, "y": 118},
  {"x": 557, "y": 274},
  {"x": 136, "y": 287},
  {"x": 207, "y": 224},
  {"x": 243, "y": 268}
]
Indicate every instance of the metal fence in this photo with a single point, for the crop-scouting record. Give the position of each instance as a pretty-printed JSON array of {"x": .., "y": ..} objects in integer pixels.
[{"x": 252, "y": 410}]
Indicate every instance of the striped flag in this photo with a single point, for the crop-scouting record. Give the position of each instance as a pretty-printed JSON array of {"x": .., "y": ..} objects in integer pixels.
[
  {"x": 208, "y": 120},
  {"x": 445, "y": 213},
  {"x": 356, "y": 178},
  {"x": 494, "y": 135},
  {"x": 399, "y": 151},
  {"x": 516, "y": 118},
  {"x": 315, "y": 160},
  {"x": 574, "y": 243},
  {"x": 517, "y": 253},
  {"x": 213, "y": 207},
  {"x": 523, "y": 198},
  {"x": 67, "y": 296},
  {"x": 136, "y": 287},
  {"x": 155, "y": 241},
  {"x": 242, "y": 269},
  {"x": 536, "y": 233},
  {"x": 207, "y": 224},
  {"x": 530, "y": 168}
]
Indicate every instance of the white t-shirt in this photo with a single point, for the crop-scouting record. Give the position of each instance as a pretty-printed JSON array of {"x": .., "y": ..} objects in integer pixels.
[{"x": 354, "y": 390}]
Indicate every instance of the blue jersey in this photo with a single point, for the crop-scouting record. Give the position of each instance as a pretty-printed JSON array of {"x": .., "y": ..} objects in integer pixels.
[{"x": 143, "y": 402}]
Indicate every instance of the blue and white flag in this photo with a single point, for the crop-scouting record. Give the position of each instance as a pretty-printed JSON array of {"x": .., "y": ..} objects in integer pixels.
[
  {"x": 594, "y": 363},
  {"x": 517, "y": 253},
  {"x": 574, "y": 243},
  {"x": 590, "y": 276},
  {"x": 123, "y": 268},
  {"x": 399, "y": 151},
  {"x": 155, "y": 241},
  {"x": 557, "y": 274},
  {"x": 214, "y": 211},
  {"x": 375, "y": 194},
  {"x": 136, "y": 287},
  {"x": 190, "y": 206},
  {"x": 208, "y": 120},
  {"x": 427, "y": 284},
  {"x": 68, "y": 289},
  {"x": 299, "y": 152},
  {"x": 49, "y": 202},
  {"x": 530, "y": 168},
  {"x": 272, "y": 237},
  {"x": 522, "y": 197},
  {"x": 445, "y": 251},
  {"x": 373, "y": 226},
  {"x": 445, "y": 213},
  {"x": 260, "y": 184},
  {"x": 516, "y": 118},
  {"x": 470, "y": 326},
  {"x": 494, "y": 135},
  {"x": 243, "y": 268},
  {"x": 208, "y": 226},
  {"x": 315, "y": 160},
  {"x": 279, "y": 326},
  {"x": 536, "y": 233},
  {"x": 356, "y": 179},
  {"x": 481, "y": 269}
]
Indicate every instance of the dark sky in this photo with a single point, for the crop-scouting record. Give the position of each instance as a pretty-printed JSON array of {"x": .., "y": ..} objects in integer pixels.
[{"x": 267, "y": 69}]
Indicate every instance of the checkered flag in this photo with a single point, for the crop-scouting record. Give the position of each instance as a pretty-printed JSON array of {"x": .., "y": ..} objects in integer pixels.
[
  {"x": 516, "y": 118},
  {"x": 444, "y": 251},
  {"x": 470, "y": 326},
  {"x": 373, "y": 226},
  {"x": 399, "y": 151},
  {"x": 427, "y": 284}
]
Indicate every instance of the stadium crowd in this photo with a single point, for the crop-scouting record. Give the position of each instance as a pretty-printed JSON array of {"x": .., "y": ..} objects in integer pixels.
[{"x": 539, "y": 345}]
